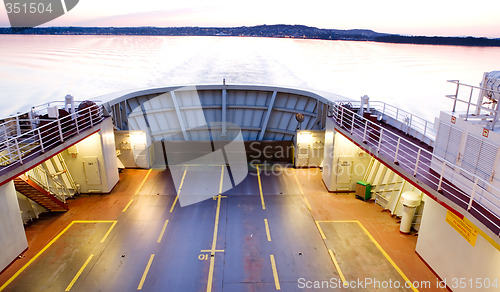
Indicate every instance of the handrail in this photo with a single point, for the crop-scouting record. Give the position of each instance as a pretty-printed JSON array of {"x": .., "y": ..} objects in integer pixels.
[
  {"x": 419, "y": 162},
  {"x": 48, "y": 134},
  {"x": 424, "y": 128},
  {"x": 491, "y": 119},
  {"x": 13, "y": 124},
  {"x": 61, "y": 191}
]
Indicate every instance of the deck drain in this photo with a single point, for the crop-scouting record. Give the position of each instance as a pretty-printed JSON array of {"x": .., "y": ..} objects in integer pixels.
[
  {"x": 123, "y": 255},
  {"x": 300, "y": 253}
]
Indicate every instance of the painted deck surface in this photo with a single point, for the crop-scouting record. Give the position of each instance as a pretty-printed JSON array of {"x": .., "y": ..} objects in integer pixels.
[{"x": 287, "y": 237}]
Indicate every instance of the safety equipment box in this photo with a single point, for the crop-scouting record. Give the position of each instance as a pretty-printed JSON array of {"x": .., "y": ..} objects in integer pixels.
[{"x": 363, "y": 190}]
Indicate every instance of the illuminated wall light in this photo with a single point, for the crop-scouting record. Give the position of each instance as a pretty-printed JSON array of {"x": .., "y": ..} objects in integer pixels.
[
  {"x": 304, "y": 137},
  {"x": 138, "y": 138}
]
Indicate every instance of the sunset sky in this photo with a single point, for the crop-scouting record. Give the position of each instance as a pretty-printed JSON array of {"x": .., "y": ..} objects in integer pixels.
[{"x": 424, "y": 17}]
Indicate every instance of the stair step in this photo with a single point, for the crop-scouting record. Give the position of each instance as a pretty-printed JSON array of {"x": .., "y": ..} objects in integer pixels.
[{"x": 38, "y": 195}]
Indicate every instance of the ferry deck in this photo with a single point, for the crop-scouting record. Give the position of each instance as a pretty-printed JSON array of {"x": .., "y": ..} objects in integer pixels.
[
  {"x": 273, "y": 231},
  {"x": 294, "y": 221}
]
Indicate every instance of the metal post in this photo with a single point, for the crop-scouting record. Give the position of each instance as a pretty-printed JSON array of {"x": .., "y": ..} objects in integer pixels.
[
  {"x": 380, "y": 140},
  {"x": 32, "y": 120},
  {"x": 441, "y": 176},
  {"x": 76, "y": 123},
  {"x": 472, "y": 194},
  {"x": 18, "y": 126},
  {"x": 364, "y": 133},
  {"x": 352, "y": 121},
  {"x": 90, "y": 114},
  {"x": 383, "y": 110},
  {"x": 409, "y": 124},
  {"x": 456, "y": 97},
  {"x": 397, "y": 150},
  {"x": 468, "y": 104},
  {"x": 425, "y": 128},
  {"x": 41, "y": 142},
  {"x": 416, "y": 163},
  {"x": 18, "y": 151},
  {"x": 397, "y": 113},
  {"x": 341, "y": 115},
  {"x": 60, "y": 130}
]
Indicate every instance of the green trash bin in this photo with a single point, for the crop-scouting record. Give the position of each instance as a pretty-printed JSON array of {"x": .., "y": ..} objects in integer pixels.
[{"x": 363, "y": 190}]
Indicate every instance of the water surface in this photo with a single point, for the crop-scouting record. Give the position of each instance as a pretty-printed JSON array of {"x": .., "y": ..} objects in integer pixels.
[{"x": 39, "y": 69}]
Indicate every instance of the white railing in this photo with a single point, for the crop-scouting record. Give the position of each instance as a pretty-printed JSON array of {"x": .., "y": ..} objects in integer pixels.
[
  {"x": 49, "y": 182},
  {"x": 472, "y": 110},
  {"x": 405, "y": 121},
  {"x": 16, "y": 146},
  {"x": 473, "y": 195},
  {"x": 18, "y": 124}
]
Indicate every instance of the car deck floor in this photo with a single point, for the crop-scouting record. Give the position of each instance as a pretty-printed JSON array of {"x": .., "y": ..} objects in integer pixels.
[{"x": 279, "y": 229}]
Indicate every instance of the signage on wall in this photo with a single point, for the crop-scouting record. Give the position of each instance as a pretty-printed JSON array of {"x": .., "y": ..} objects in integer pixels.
[
  {"x": 486, "y": 133},
  {"x": 467, "y": 231},
  {"x": 453, "y": 119}
]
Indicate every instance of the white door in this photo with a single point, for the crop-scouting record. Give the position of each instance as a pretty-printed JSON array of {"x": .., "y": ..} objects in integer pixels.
[
  {"x": 344, "y": 166},
  {"x": 91, "y": 167}
]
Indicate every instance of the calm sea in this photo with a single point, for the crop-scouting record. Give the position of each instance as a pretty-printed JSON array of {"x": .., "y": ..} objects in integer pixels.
[{"x": 39, "y": 69}]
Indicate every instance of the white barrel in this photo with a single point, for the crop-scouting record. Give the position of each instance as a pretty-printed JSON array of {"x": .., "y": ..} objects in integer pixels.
[{"x": 410, "y": 201}]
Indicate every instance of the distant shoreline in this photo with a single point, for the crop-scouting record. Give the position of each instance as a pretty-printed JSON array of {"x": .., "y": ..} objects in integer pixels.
[{"x": 271, "y": 31}]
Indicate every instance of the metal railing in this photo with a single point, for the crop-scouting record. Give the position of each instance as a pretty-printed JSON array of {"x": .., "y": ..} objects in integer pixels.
[
  {"x": 465, "y": 98},
  {"x": 459, "y": 185},
  {"x": 22, "y": 139},
  {"x": 20, "y": 123},
  {"x": 405, "y": 121},
  {"x": 49, "y": 182}
]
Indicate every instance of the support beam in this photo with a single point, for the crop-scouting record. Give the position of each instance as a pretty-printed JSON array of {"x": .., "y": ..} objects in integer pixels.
[
  {"x": 179, "y": 116},
  {"x": 224, "y": 112},
  {"x": 266, "y": 117},
  {"x": 146, "y": 119}
]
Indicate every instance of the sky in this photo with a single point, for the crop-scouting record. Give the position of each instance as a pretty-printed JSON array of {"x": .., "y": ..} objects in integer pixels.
[{"x": 479, "y": 18}]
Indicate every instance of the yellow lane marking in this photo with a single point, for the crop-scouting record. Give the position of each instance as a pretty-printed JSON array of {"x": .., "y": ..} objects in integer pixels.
[
  {"x": 221, "y": 179},
  {"x": 377, "y": 245},
  {"x": 260, "y": 188},
  {"x": 128, "y": 205},
  {"x": 109, "y": 231},
  {"x": 300, "y": 189},
  {"x": 211, "y": 274},
  {"x": 179, "y": 192},
  {"x": 146, "y": 271},
  {"x": 212, "y": 250},
  {"x": 275, "y": 273},
  {"x": 46, "y": 247},
  {"x": 307, "y": 203},
  {"x": 297, "y": 181},
  {"x": 162, "y": 231},
  {"x": 142, "y": 183},
  {"x": 79, "y": 273},
  {"x": 387, "y": 256},
  {"x": 268, "y": 233},
  {"x": 320, "y": 229},
  {"x": 216, "y": 230},
  {"x": 337, "y": 266},
  {"x": 173, "y": 205}
]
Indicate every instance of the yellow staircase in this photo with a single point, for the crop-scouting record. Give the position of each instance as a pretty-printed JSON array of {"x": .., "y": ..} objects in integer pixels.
[{"x": 32, "y": 190}]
